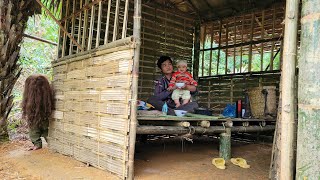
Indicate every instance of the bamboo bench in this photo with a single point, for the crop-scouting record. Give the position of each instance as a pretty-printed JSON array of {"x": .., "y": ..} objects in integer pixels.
[{"x": 159, "y": 125}]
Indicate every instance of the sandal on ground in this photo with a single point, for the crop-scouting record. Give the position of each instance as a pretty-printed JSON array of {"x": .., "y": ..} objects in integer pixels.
[
  {"x": 240, "y": 162},
  {"x": 33, "y": 148},
  {"x": 219, "y": 163}
]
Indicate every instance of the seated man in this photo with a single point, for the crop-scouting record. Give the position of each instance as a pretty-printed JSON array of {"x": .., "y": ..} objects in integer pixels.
[{"x": 162, "y": 95}]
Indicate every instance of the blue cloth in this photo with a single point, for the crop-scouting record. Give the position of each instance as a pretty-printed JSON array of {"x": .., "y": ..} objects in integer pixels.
[{"x": 229, "y": 110}]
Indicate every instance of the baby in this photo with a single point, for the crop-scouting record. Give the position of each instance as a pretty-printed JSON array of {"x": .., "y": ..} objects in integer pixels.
[{"x": 184, "y": 77}]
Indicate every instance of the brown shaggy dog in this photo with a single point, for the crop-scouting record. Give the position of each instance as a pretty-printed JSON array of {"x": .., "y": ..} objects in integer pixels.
[{"x": 37, "y": 103}]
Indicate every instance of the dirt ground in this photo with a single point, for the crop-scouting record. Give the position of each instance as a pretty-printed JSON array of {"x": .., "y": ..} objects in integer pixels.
[{"x": 162, "y": 159}]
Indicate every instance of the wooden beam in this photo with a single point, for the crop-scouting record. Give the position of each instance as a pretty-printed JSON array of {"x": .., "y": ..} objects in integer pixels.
[
  {"x": 63, "y": 29},
  {"x": 40, "y": 39}
]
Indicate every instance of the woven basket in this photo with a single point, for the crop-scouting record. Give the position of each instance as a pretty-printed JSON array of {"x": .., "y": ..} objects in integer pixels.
[
  {"x": 257, "y": 102},
  {"x": 271, "y": 108}
]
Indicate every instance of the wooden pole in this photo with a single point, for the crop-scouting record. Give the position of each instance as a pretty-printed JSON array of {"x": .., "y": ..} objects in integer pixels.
[
  {"x": 308, "y": 149},
  {"x": 99, "y": 25},
  {"x": 204, "y": 34},
  {"x": 116, "y": 21},
  {"x": 242, "y": 29},
  {"x": 288, "y": 79},
  {"x": 227, "y": 42},
  {"x": 196, "y": 53},
  {"x": 61, "y": 27},
  {"x": 85, "y": 26},
  {"x": 219, "y": 47},
  {"x": 93, "y": 10},
  {"x": 79, "y": 26},
  {"x": 40, "y": 39},
  {"x": 273, "y": 30},
  {"x": 125, "y": 20},
  {"x": 262, "y": 37},
  {"x": 225, "y": 144},
  {"x": 72, "y": 26},
  {"x": 135, "y": 77},
  {"x": 250, "y": 46},
  {"x": 144, "y": 129},
  {"x": 106, "y": 37}
]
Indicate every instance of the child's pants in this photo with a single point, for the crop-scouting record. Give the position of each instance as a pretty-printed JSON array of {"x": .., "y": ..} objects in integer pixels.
[
  {"x": 180, "y": 93},
  {"x": 36, "y": 132}
]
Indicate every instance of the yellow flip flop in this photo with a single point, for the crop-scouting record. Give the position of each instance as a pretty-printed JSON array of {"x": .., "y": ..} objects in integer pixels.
[
  {"x": 219, "y": 163},
  {"x": 240, "y": 162}
]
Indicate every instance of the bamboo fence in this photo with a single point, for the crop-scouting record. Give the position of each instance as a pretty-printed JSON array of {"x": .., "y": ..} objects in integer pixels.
[{"x": 91, "y": 120}]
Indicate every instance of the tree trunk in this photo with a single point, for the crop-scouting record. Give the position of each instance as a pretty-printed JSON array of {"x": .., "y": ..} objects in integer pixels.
[
  {"x": 308, "y": 146},
  {"x": 13, "y": 19}
]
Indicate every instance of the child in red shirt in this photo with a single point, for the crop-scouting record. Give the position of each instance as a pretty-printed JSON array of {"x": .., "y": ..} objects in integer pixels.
[{"x": 181, "y": 76}]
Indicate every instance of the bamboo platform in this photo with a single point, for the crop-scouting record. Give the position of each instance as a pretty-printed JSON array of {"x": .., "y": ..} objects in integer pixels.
[{"x": 204, "y": 118}]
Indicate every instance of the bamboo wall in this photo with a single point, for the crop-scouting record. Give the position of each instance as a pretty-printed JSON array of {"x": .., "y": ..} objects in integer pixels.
[
  {"x": 91, "y": 121},
  {"x": 163, "y": 32},
  {"x": 218, "y": 91}
]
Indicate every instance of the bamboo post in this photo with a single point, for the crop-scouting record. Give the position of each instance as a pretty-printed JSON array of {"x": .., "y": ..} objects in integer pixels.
[
  {"x": 273, "y": 29},
  {"x": 288, "y": 77},
  {"x": 106, "y": 36},
  {"x": 220, "y": 31},
  {"x": 225, "y": 144},
  {"x": 203, "y": 44},
  {"x": 196, "y": 53},
  {"x": 262, "y": 37},
  {"x": 308, "y": 152},
  {"x": 250, "y": 46},
  {"x": 242, "y": 29},
  {"x": 79, "y": 26},
  {"x": 72, "y": 26},
  {"x": 135, "y": 77},
  {"x": 227, "y": 42},
  {"x": 85, "y": 26},
  {"x": 64, "y": 41},
  {"x": 99, "y": 25},
  {"x": 234, "y": 42},
  {"x": 116, "y": 21},
  {"x": 61, "y": 27},
  {"x": 93, "y": 9},
  {"x": 125, "y": 20},
  {"x": 211, "y": 38}
]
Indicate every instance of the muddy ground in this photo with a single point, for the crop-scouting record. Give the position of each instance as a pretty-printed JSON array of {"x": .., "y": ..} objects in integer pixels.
[{"x": 158, "y": 159}]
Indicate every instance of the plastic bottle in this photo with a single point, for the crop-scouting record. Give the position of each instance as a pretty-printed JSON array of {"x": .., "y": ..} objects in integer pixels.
[{"x": 165, "y": 109}]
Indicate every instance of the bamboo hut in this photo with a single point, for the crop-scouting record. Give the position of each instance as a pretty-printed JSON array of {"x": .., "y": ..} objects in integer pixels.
[{"x": 107, "y": 60}]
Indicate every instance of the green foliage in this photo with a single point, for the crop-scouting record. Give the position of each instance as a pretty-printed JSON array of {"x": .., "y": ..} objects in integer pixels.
[
  {"x": 35, "y": 58},
  {"x": 233, "y": 62}
]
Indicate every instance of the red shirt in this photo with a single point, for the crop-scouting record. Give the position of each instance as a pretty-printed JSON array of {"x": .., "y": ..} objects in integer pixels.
[{"x": 185, "y": 77}]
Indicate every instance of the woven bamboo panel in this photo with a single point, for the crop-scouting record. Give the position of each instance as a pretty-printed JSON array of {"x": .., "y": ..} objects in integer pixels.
[
  {"x": 218, "y": 91},
  {"x": 91, "y": 121}
]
